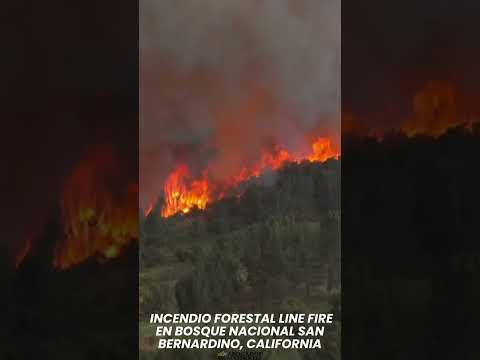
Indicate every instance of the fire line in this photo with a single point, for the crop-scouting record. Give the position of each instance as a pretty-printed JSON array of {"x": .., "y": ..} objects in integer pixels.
[{"x": 182, "y": 193}]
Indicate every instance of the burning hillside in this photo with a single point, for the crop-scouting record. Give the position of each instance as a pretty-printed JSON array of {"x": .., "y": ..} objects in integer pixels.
[
  {"x": 183, "y": 192},
  {"x": 438, "y": 106},
  {"x": 99, "y": 217},
  {"x": 98, "y": 221},
  {"x": 236, "y": 93}
]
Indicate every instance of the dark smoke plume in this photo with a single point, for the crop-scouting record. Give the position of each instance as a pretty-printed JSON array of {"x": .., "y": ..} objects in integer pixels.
[{"x": 219, "y": 79}]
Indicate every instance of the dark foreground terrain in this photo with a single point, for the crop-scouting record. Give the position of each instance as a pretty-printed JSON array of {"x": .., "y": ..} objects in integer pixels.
[
  {"x": 89, "y": 311},
  {"x": 410, "y": 249}
]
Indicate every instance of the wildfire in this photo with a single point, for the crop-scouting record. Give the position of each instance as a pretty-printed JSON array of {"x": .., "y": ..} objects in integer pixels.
[
  {"x": 183, "y": 193},
  {"x": 180, "y": 198},
  {"x": 96, "y": 221},
  {"x": 437, "y": 107},
  {"x": 322, "y": 150}
]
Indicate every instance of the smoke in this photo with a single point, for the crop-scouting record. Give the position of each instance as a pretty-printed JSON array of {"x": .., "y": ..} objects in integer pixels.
[{"x": 221, "y": 79}]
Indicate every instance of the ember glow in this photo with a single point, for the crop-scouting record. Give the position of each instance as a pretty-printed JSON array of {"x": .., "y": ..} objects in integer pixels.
[
  {"x": 183, "y": 192},
  {"x": 97, "y": 222},
  {"x": 99, "y": 215},
  {"x": 437, "y": 107}
]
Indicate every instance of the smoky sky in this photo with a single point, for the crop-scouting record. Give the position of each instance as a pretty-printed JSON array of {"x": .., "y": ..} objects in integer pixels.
[
  {"x": 70, "y": 81},
  {"x": 218, "y": 78},
  {"x": 390, "y": 49}
]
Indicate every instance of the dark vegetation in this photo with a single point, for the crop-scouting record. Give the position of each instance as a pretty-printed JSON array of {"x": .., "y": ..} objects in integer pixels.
[
  {"x": 410, "y": 249},
  {"x": 410, "y": 258},
  {"x": 410, "y": 246},
  {"x": 275, "y": 248},
  {"x": 85, "y": 312}
]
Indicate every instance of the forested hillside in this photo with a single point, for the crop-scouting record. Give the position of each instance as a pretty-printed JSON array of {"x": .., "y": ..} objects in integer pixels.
[{"x": 274, "y": 246}]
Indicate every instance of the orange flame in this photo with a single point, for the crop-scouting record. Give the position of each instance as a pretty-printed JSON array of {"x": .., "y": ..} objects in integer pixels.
[
  {"x": 436, "y": 109},
  {"x": 180, "y": 198},
  {"x": 96, "y": 221},
  {"x": 182, "y": 193},
  {"x": 322, "y": 150}
]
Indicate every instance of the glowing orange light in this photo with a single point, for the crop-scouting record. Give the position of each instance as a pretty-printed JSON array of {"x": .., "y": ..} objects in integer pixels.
[{"x": 183, "y": 193}]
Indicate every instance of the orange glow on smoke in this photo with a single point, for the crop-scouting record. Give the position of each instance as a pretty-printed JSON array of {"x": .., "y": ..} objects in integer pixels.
[
  {"x": 183, "y": 193},
  {"x": 97, "y": 222},
  {"x": 436, "y": 109}
]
